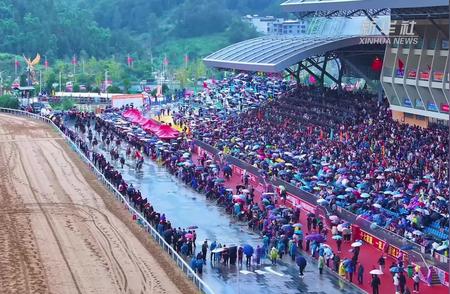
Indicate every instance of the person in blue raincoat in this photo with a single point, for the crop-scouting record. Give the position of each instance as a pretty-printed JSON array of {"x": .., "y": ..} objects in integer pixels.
[
  {"x": 266, "y": 241},
  {"x": 237, "y": 209},
  {"x": 281, "y": 248},
  {"x": 194, "y": 264},
  {"x": 314, "y": 248},
  {"x": 259, "y": 254},
  {"x": 184, "y": 249},
  {"x": 199, "y": 265},
  {"x": 248, "y": 251},
  {"x": 301, "y": 263},
  {"x": 350, "y": 269},
  {"x": 293, "y": 250},
  {"x": 211, "y": 248}
]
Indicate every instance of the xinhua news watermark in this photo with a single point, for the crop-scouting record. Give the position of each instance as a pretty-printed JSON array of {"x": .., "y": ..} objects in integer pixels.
[{"x": 395, "y": 32}]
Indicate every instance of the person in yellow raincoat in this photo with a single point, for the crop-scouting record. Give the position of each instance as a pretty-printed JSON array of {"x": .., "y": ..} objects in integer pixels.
[
  {"x": 273, "y": 255},
  {"x": 342, "y": 269}
]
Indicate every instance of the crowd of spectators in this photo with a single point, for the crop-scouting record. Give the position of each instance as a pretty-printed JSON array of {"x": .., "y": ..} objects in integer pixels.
[{"x": 346, "y": 148}]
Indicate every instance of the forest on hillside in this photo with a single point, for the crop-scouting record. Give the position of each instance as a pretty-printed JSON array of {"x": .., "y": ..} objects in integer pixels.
[{"x": 61, "y": 29}]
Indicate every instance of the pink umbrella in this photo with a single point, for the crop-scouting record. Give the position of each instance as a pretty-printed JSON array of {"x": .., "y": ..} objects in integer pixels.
[{"x": 189, "y": 236}]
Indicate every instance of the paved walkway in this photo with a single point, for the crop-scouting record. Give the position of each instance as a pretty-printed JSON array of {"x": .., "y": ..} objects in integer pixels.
[{"x": 368, "y": 256}]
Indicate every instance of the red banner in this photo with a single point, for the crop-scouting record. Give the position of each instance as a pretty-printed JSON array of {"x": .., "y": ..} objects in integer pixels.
[{"x": 380, "y": 244}]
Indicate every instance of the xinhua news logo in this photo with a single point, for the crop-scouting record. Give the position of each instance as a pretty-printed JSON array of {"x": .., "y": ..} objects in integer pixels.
[{"x": 395, "y": 32}]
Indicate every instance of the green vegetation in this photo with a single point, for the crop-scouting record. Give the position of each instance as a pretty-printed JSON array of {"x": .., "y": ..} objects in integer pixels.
[
  {"x": 65, "y": 104},
  {"x": 101, "y": 35},
  {"x": 9, "y": 101},
  {"x": 102, "y": 28}
]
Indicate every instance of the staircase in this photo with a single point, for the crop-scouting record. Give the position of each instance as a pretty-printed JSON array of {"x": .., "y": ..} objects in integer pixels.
[
  {"x": 435, "y": 278},
  {"x": 424, "y": 273}
]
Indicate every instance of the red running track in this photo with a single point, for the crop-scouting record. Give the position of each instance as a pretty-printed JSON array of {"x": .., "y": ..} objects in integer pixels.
[{"x": 368, "y": 256}]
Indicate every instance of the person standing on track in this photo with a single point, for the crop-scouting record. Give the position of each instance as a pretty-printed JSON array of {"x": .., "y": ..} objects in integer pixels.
[{"x": 375, "y": 283}]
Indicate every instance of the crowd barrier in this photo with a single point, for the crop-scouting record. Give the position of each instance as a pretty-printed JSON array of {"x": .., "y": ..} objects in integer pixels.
[
  {"x": 384, "y": 240},
  {"x": 181, "y": 263}
]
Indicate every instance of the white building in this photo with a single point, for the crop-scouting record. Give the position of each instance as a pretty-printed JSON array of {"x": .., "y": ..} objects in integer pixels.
[{"x": 269, "y": 25}]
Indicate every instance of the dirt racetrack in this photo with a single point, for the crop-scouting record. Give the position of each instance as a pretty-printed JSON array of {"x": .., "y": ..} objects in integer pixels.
[{"x": 61, "y": 231}]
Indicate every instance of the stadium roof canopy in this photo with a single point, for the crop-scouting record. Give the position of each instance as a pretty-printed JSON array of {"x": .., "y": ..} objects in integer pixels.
[
  {"x": 275, "y": 53},
  {"x": 318, "y": 5}
]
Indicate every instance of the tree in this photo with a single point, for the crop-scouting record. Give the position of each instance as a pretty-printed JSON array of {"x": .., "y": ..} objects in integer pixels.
[
  {"x": 182, "y": 76},
  {"x": 9, "y": 101},
  {"x": 239, "y": 31},
  {"x": 114, "y": 89},
  {"x": 126, "y": 85}
]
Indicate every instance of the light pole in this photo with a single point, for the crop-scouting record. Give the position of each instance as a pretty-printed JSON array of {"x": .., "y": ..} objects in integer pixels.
[
  {"x": 40, "y": 82},
  {"x": 1, "y": 83},
  {"x": 106, "y": 84},
  {"x": 60, "y": 78}
]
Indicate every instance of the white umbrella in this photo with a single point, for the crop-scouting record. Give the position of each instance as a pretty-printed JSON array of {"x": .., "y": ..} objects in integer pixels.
[
  {"x": 376, "y": 205},
  {"x": 340, "y": 228},
  {"x": 349, "y": 189},
  {"x": 417, "y": 232},
  {"x": 321, "y": 201},
  {"x": 356, "y": 244},
  {"x": 365, "y": 195},
  {"x": 245, "y": 191},
  {"x": 218, "y": 250},
  {"x": 376, "y": 272},
  {"x": 334, "y": 217},
  {"x": 442, "y": 247}
]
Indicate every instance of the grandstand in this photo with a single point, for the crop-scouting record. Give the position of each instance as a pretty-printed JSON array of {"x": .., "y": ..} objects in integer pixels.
[{"x": 413, "y": 40}]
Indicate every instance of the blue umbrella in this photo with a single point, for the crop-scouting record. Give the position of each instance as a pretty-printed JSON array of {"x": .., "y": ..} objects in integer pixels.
[
  {"x": 286, "y": 227},
  {"x": 337, "y": 237},
  {"x": 248, "y": 249},
  {"x": 300, "y": 261},
  {"x": 396, "y": 269}
]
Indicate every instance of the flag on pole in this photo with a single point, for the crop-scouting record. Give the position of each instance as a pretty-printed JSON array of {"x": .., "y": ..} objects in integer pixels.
[
  {"x": 340, "y": 135},
  {"x": 46, "y": 64},
  {"x": 130, "y": 61},
  {"x": 16, "y": 65},
  {"x": 166, "y": 61},
  {"x": 186, "y": 59},
  {"x": 74, "y": 60},
  {"x": 321, "y": 134}
]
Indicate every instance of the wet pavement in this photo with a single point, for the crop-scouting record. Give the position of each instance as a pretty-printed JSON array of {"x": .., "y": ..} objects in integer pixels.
[{"x": 184, "y": 207}]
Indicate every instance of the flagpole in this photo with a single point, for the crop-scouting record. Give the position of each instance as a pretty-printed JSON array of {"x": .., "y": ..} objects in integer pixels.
[{"x": 15, "y": 66}]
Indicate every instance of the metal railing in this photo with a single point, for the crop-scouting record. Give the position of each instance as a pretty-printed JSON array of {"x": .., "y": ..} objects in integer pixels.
[
  {"x": 383, "y": 234},
  {"x": 181, "y": 263}
]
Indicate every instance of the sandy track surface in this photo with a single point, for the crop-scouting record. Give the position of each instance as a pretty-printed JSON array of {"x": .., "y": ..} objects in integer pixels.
[{"x": 60, "y": 230}]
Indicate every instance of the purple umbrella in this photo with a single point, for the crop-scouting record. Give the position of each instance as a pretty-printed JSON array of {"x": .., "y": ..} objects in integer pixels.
[{"x": 315, "y": 237}]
